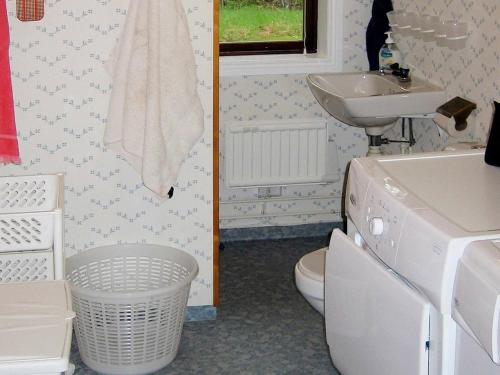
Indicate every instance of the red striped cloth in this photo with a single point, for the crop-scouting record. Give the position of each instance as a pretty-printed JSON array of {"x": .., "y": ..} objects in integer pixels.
[
  {"x": 9, "y": 151},
  {"x": 29, "y": 10}
]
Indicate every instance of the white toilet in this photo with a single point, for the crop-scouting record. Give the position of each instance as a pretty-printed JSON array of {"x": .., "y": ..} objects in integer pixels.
[{"x": 310, "y": 278}]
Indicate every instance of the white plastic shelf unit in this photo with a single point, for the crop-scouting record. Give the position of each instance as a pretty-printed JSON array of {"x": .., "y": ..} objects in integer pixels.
[{"x": 31, "y": 228}]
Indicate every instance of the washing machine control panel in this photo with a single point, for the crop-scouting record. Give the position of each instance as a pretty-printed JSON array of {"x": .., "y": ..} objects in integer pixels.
[
  {"x": 383, "y": 217},
  {"x": 378, "y": 207},
  {"x": 357, "y": 186}
]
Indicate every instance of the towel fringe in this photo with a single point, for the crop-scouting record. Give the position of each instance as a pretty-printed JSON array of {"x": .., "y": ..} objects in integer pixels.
[{"x": 9, "y": 159}]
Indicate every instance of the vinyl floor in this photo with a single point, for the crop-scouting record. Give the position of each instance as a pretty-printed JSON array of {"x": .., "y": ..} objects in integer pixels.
[{"x": 263, "y": 325}]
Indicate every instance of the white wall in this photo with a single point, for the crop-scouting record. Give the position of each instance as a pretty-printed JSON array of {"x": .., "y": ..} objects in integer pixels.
[
  {"x": 278, "y": 97},
  {"x": 61, "y": 95},
  {"x": 472, "y": 73}
]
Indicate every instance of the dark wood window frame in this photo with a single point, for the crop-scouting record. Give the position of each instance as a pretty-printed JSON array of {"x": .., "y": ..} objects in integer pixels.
[{"x": 308, "y": 44}]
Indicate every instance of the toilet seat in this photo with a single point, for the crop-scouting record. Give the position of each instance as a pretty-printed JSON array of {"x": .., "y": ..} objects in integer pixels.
[
  {"x": 35, "y": 328},
  {"x": 313, "y": 265},
  {"x": 310, "y": 278}
]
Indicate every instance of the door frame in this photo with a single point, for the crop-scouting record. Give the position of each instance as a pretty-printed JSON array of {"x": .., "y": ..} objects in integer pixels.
[{"x": 215, "y": 109}]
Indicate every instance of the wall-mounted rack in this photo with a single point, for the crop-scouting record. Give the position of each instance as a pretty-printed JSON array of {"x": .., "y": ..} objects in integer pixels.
[{"x": 446, "y": 33}]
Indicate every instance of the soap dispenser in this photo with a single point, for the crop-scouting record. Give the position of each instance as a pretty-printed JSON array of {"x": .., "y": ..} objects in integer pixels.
[{"x": 389, "y": 53}]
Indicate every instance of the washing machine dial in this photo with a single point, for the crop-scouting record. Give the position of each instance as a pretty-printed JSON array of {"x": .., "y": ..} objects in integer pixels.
[{"x": 376, "y": 226}]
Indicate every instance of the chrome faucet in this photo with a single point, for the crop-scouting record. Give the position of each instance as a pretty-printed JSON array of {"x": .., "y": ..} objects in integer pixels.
[
  {"x": 390, "y": 71},
  {"x": 403, "y": 74}
]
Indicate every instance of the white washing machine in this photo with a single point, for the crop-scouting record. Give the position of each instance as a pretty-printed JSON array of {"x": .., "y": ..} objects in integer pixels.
[{"x": 397, "y": 285}]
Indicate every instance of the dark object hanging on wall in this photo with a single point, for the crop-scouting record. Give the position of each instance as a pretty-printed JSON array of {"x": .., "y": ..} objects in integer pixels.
[
  {"x": 492, "y": 153},
  {"x": 377, "y": 26}
]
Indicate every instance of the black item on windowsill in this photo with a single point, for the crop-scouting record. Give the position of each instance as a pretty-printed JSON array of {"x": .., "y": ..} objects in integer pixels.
[
  {"x": 171, "y": 193},
  {"x": 492, "y": 153},
  {"x": 378, "y": 25}
]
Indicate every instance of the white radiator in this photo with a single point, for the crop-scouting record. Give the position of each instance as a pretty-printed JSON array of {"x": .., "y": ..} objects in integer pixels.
[{"x": 263, "y": 153}]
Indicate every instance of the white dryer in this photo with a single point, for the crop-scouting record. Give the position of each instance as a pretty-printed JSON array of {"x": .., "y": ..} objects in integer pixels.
[
  {"x": 389, "y": 284},
  {"x": 476, "y": 309}
]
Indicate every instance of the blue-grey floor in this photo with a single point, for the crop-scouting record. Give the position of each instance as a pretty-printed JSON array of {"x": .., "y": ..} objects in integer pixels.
[{"x": 264, "y": 326}]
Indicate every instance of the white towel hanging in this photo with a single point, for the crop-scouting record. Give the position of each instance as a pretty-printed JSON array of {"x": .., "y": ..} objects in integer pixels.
[{"x": 155, "y": 115}]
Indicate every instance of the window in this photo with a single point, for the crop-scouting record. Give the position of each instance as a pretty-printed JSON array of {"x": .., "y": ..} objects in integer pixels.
[
  {"x": 328, "y": 57},
  {"x": 256, "y": 27}
]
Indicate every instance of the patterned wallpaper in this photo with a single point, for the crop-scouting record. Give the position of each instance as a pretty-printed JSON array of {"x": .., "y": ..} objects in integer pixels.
[
  {"x": 471, "y": 73},
  {"x": 278, "y": 97},
  {"x": 61, "y": 95}
]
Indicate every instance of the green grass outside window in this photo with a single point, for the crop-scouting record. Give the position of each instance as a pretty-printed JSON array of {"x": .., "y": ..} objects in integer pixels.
[{"x": 254, "y": 23}]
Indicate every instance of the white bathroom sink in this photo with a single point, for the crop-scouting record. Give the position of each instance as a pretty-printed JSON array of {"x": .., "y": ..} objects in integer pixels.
[{"x": 368, "y": 99}]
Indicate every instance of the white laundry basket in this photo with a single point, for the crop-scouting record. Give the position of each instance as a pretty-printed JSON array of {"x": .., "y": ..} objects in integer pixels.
[
  {"x": 130, "y": 302},
  {"x": 31, "y": 228}
]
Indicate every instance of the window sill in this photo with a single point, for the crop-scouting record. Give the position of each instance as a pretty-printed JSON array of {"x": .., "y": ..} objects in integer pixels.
[{"x": 275, "y": 64}]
